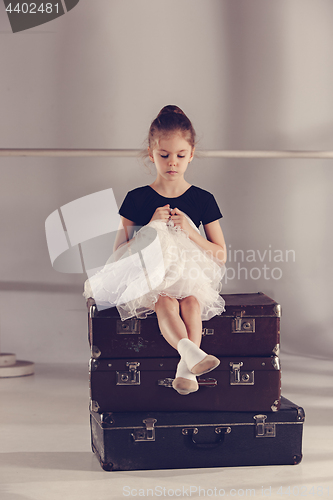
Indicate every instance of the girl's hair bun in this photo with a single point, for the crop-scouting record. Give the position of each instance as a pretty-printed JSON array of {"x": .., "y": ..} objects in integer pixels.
[
  {"x": 170, "y": 108},
  {"x": 171, "y": 119}
]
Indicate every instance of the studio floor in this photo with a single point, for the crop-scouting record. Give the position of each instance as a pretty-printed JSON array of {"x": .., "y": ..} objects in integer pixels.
[{"x": 46, "y": 453}]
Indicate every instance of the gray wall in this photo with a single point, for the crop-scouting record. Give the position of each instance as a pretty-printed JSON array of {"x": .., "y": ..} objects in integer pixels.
[{"x": 251, "y": 75}]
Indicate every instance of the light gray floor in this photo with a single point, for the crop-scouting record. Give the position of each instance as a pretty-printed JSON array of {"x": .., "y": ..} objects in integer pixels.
[{"x": 46, "y": 455}]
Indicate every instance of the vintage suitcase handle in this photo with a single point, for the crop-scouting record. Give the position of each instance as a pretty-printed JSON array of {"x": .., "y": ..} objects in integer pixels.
[
  {"x": 203, "y": 382},
  {"x": 192, "y": 431}
]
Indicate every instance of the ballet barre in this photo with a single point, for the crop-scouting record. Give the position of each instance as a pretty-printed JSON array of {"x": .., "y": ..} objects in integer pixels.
[{"x": 128, "y": 153}]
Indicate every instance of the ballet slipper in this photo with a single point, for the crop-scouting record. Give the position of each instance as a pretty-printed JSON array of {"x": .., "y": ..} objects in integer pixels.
[
  {"x": 185, "y": 381},
  {"x": 197, "y": 361},
  {"x": 185, "y": 386},
  {"x": 208, "y": 364}
]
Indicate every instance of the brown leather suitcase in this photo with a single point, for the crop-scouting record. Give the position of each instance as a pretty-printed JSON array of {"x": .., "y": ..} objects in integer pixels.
[
  {"x": 132, "y": 384},
  {"x": 250, "y": 326}
]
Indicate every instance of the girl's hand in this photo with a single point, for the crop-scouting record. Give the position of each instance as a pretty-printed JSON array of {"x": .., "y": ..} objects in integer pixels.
[
  {"x": 179, "y": 219},
  {"x": 161, "y": 213}
]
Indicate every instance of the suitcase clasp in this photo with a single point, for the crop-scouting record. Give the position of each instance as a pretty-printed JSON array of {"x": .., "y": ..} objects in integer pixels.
[
  {"x": 237, "y": 377},
  {"x": 264, "y": 429},
  {"x": 147, "y": 434},
  {"x": 207, "y": 331},
  {"x": 166, "y": 382},
  {"x": 131, "y": 377},
  {"x": 241, "y": 324},
  {"x": 129, "y": 326}
]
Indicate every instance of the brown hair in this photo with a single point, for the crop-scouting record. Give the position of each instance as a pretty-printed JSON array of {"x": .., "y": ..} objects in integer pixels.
[{"x": 171, "y": 119}]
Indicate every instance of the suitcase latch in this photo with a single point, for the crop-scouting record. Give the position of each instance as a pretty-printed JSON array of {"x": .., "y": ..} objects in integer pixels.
[
  {"x": 241, "y": 324},
  {"x": 147, "y": 434},
  {"x": 264, "y": 429},
  {"x": 207, "y": 331},
  {"x": 131, "y": 377},
  {"x": 129, "y": 326},
  {"x": 237, "y": 377},
  {"x": 166, "y": 382}
]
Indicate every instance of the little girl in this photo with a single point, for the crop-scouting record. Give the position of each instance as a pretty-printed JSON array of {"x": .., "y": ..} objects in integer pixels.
[{"x": 191, "y": 266}]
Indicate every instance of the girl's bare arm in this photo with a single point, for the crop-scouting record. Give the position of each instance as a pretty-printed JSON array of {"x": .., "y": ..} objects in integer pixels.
[{"x": 215, "y": 241}]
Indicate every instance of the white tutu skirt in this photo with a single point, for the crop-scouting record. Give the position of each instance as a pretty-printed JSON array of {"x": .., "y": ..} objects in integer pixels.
[{"x": 159, "y": 260}]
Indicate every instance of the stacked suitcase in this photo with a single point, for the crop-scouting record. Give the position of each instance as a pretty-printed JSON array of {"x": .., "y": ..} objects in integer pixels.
[{"x": 237, "y": 417}]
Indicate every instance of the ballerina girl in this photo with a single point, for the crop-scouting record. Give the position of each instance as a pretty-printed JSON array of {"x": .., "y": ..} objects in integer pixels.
[{"x": 193, "y": 266}]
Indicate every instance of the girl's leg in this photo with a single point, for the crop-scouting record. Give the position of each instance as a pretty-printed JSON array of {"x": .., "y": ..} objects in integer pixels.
[
  {"x": 175, "y": 333},
  {"x": 173, "y": 330},
  {"x": 196, "y": 359},
  {"x": 171, "y": 325},
  {"x": 191, "y": 315}
]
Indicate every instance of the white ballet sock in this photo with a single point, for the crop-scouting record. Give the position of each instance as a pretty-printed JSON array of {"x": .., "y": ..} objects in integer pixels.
[
  {"x": 190, "y": 352},
  {"x": 184, "y": 372}
]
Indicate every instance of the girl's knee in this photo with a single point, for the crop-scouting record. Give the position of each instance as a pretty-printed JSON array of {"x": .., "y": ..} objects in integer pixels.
[
  {"x": 190, "y": 302},
  {"x": 167, "y": 302}
]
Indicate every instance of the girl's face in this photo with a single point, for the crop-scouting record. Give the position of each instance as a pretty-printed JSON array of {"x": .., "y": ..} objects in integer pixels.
[{"x": 171, "y": 156}]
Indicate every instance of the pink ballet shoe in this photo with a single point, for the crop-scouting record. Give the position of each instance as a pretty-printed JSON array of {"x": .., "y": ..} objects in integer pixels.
[
  {"x": 206, "y": 365},
  {"x": 185, "y": 386}
]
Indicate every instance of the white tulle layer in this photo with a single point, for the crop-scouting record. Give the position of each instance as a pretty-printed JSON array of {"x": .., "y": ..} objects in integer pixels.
[{"x": 159, "y": 260}]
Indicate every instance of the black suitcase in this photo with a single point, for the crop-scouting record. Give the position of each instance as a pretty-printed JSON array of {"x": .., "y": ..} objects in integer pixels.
[
  {"x": 179, "y": 440},
  {"x": 237, "y": 384},
  {"x": 250, "y": 326}
]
